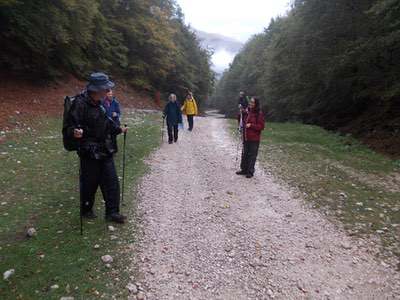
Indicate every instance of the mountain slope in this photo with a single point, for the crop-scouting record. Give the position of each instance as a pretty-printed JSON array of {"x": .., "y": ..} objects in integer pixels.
[
  {"x": 217, "y": 41},
  {"x": 224, "y": 48}
]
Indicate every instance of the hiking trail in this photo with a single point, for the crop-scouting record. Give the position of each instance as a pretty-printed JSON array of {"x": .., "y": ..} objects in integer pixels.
[{"x": 206, "y": 233}]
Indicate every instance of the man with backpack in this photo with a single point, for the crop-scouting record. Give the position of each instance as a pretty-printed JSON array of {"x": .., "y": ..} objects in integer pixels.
[{"x": 88, "y": 130}]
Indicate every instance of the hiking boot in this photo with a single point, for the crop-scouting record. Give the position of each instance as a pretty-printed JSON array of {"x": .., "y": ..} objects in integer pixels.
[
  {"x": 249, "y": 175},
  {"x": 116, "y": 218},
  {"x": 170, "y": 142},
  {"x": 89, "y": 215},
  {"x": 241, "y": 173}
]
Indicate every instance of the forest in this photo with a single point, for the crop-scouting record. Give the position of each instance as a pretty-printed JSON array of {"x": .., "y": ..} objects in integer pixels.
[
  {"x": 329, "y": 63},
  {"x": 145, "y": 42}
]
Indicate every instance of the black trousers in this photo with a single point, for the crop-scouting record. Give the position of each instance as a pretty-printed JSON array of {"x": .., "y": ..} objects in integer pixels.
[
  {"x": 249, "y": 157},
  {"x": 95, "y": 173},
  {"x": 190, "y": 119},
  {"x": 172, "y": 132}
]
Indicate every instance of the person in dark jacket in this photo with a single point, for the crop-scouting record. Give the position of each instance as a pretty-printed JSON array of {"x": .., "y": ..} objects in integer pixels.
[
  {"x": 243, "y": 105},
  {"x": 113, "y": 110},
  {"x": 173, "y": 114},
  {"x": 95, "y": 131},
  {"x": 243, "y": 102},
  {"x": 254, "y": 123},
  {"x": 112, "y": 107}
]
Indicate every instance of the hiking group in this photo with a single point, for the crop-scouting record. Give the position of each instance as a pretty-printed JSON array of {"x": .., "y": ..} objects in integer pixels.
[
  {"x": 92, "y": 123},
  {"x": 173, "y": 114}
]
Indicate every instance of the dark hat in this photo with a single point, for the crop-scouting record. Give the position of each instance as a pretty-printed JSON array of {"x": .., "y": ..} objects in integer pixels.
[{"x": 99, "y": 82}]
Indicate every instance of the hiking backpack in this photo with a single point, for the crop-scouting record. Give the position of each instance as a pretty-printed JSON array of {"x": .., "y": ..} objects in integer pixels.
[{"x": 70, "y": 143}]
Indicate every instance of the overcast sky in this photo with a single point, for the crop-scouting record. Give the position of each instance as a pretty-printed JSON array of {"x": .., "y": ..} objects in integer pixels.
[{"x": 239, "y": 19}]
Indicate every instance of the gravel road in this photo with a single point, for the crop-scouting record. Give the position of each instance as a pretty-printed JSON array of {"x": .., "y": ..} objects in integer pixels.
[{"x": 206, "y": 233}]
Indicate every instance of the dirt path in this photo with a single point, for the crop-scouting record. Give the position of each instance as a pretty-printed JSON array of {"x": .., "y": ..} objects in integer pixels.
[{"x": 209, "y": 234}]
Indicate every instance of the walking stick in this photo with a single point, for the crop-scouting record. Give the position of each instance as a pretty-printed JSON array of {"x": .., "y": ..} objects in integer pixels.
[
  {"x": 80, "y": 184},
  {"x": 240, "y": 136},
  {"x": 123, "y": 167},
  {"x": 80, "y": 195},
  {"x": 162, "y": 130}
]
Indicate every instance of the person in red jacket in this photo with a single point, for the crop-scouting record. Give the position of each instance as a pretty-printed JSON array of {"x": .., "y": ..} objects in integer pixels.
[{"x": 253, "y": 126}]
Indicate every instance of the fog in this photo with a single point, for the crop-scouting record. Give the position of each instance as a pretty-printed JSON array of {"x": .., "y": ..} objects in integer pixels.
[
  {"x": 221, "y": 60},
  {"x": 235, "y": 19}
]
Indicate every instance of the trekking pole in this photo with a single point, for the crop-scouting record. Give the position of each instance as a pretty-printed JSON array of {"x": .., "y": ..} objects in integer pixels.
[
  {"x": 80, "y": 197},
  {"x": 162, "y": 130},
  {"x": 240, "y": 136},
  {"x": 238, "y": 147},
  {"x": 123, "y": 167},
  {"x": 80, "y": 184}
]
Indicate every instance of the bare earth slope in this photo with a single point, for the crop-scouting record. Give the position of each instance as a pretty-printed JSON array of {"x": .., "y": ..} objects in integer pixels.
[{"x": 208, "y": 234}]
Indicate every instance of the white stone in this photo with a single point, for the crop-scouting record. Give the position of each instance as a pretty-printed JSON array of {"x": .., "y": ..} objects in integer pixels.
[
  {"x": 346, "y": 246},
  {"x": 132, "y": 288},
  {"x": 141, "y": 296},
  {"x": 8, "y": 274},
  {"x": 107, "y": 259},
  {"x": 31, "y": 232}
]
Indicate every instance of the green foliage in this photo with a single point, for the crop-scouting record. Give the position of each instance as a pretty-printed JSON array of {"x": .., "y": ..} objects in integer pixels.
[
  {"x": 326, "y": 62},
  {"x": 143, "y": 41},
  {"x": 338, "y": 175},
  {"x": 49, "y": 202}
]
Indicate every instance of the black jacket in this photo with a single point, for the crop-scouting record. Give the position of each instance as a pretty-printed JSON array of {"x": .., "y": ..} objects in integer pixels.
[
  {"x": 173, "y": 113},
  {"x": 98, "y": 129},
  {"x": 243, "y": 102}
]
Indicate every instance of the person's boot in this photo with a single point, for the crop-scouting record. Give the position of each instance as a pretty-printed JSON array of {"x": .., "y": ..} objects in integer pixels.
[
  {"x": 241, "y": 173},
  {"x": 116, "y": 218},
  {"x": 249, "y": 175},
  {"x": 170, "y": 142},
  {"x": 89, "y": 215}
]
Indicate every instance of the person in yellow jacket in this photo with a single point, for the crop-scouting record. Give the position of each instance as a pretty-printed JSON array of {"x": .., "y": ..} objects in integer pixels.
[{"x": 190, "y": 109}]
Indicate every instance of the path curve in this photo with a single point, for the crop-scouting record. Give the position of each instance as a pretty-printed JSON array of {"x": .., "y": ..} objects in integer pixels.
[{"x": 206, "y": 233}]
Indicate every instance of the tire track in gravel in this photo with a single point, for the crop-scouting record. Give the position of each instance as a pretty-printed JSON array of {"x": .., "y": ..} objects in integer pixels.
[{"x": 206, "y": 233}]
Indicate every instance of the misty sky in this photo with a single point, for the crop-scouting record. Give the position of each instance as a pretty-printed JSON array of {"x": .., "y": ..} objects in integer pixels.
[{"x": 238, "y": 19}]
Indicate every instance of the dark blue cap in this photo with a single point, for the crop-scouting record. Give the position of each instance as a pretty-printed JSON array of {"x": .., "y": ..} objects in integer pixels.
[{"x": 99, "y": 82}]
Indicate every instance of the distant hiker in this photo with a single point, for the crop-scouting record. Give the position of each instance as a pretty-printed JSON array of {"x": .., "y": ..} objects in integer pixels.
[
  {"x": 89, "y": 124},
  {"x": 113, "y": 110},
  {"x": 190, "y": 109},
  {"x": 243, "y": 105},
  {"x": 243, "y": 101},
  {"x": 173, "y": 115},
  {"x": 112, "y": 107},
  {"x": 254, "y": 123}
]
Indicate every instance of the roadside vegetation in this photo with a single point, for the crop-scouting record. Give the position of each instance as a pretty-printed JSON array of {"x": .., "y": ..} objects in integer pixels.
[
  {"x": 40, "y": 190},
  {"x": 328, "y": 63},
  {"x": 346, "y": 180}
]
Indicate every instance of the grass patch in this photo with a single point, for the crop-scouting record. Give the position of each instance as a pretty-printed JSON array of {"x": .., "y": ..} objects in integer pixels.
[
  {"x": 40, "y": 189},
  {"x": 340, "y": 176}
]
